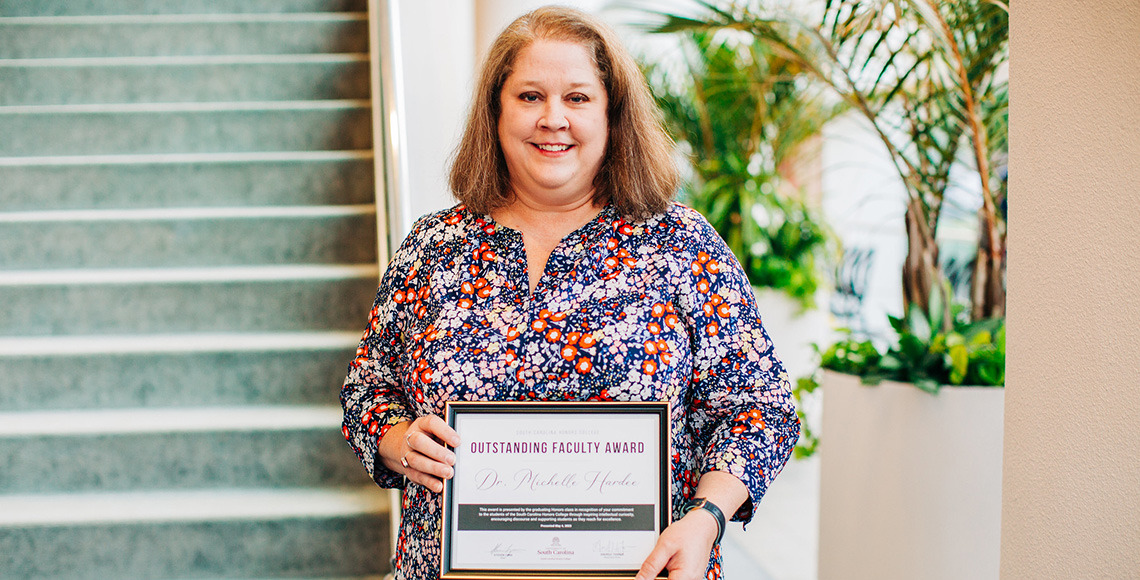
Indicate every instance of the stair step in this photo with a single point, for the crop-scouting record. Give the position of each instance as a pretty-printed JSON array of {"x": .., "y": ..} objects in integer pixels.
[
  {"x": 153, "y": 422},
  {"x": 200, "y": 534},
  {"x": 168, "y": 506},
  {"x": 111, "y": 450},
  {"x": 187, "y": 180},
  {"x": 182, "y": 34},
  {"x": 185, "y": 128},
  {"x": 92, "y": 372},
  {"x": 46, "y": 81},
  {"x": 246, "y": 299},
  {"x": 189, "y": 237},
  {"x": 173, "y": 344},
  {"x": 97, "y": 7}
]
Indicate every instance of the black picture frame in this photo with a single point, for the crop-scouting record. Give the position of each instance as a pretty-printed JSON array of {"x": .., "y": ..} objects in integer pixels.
[{"x": 662, "y": 518}]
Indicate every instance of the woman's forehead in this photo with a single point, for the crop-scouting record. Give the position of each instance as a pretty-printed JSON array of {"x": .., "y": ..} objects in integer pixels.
[{"x": 548, "y": 60}]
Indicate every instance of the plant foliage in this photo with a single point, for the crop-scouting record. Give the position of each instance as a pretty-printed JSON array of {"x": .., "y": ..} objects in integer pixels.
[
  {"x": 970, "y": 353},
  {"x": 744, "y": 112},
  {"x": 927, "y": 75}
]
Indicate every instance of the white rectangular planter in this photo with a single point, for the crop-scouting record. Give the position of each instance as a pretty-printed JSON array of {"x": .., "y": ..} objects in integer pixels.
[{"x": 910, "y": 483}]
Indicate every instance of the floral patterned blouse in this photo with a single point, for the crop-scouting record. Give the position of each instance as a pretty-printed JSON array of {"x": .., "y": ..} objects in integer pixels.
[{"x": 654, "y": 310}]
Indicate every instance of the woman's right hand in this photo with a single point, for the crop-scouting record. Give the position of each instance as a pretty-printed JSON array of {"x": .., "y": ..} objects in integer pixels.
[{"x": 416, "y": 450}]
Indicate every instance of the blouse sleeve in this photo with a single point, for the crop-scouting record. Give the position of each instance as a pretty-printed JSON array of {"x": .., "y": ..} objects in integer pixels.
[
  {"x": 741, "y": 410},
  {"x": 373, "y": 396}
]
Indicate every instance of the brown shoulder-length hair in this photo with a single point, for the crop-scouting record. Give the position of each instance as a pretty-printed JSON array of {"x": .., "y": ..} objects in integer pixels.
[{"x": 638, "y": 174}]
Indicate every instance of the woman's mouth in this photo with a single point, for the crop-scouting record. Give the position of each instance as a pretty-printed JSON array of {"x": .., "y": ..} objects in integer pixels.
[{"x": 552, "y": 147}]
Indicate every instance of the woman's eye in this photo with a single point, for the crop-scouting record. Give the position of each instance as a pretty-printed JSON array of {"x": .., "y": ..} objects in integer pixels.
[
  {"x": 529, "y": 97},
  {"x": 577, "y": 99}
]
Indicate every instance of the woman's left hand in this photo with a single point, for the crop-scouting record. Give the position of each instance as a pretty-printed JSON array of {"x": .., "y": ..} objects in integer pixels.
[{"x": 683, "y": 549}]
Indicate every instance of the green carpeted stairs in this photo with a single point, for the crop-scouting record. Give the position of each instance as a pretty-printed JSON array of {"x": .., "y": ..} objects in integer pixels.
[{"x": 187, "y": 259}]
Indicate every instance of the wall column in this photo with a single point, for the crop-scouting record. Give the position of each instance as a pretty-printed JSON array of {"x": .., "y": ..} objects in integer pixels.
[{"x": 1071, "y": 475}]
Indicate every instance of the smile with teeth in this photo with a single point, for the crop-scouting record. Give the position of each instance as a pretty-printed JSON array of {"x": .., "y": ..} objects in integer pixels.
[{"x": 554, "y": 148}]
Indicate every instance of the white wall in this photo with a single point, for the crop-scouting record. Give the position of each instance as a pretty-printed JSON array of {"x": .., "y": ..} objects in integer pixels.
[
  {"x": 491, "y": 16},
  {"x": 864, "y": 201},
  {"x": 437, "y": 37}
]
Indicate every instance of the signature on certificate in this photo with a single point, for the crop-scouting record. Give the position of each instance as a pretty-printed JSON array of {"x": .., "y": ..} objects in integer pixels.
[
  {"x": 609, "y": 548},
  {"x": 504, "y": 550}
]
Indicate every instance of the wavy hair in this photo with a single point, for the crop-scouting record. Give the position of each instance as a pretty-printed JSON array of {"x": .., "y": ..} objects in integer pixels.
[{"x": 638, "y": 174}]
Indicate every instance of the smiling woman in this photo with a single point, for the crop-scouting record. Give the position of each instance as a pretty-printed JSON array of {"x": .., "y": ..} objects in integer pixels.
[{"x": 566, "y": 274}]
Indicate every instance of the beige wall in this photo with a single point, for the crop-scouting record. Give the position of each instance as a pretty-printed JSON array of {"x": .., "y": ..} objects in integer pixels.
[{"x": 1072, "y": 445}]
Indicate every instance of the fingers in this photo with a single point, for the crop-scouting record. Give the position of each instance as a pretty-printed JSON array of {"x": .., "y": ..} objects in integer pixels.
[
  {"x": 436, "y": 427},
  {"x": 427, "y": 472},
  {"x": 425, "y": 460},
  {"x": 425, "y": 436},
  {"x": 421, "y": 439},
  {"x": 654, "y": 562},
  {"x": 679, "y": 551}
]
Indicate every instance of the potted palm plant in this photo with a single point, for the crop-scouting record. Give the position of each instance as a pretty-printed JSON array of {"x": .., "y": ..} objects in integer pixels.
[
  {"x": 746, "y": 124},
  {"x": 910, "y": 478}
]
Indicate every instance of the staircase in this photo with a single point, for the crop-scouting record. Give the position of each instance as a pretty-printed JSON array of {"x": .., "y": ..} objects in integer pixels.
[{"x": 187, "y": 259}]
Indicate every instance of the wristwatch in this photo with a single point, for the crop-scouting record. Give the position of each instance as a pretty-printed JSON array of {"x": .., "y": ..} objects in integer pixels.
[{"x": 704, "y": 504}]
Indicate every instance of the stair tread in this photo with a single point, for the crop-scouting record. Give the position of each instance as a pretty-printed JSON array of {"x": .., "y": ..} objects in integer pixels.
[
  {"x": 158, "y": 128},
  {"x": 157, "y": 35},
  {"x": 187, "y": 107},
  {"x": 217, "y": 18},
  {"x": 218, "y": 274},
  {"x": 205, "y": 342},
  {"x": 184, "y": 213},
  {"x": 71, "y": 509},
  {"x": 183, "y": 60},
  {"x": 185, "y": 158},
  {"x": 97, "y": 422},
  {"x": 96, "y": 7}
]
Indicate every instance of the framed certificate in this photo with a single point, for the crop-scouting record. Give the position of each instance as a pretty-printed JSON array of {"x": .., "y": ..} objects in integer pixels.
[{"x": 555, "y": 490}]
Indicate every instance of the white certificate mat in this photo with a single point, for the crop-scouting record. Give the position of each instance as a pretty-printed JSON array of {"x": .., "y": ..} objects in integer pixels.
[{"x": 546, "y": 489}]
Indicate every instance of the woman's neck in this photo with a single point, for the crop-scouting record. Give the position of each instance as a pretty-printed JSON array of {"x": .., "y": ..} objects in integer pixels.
[
  {"x": 543, "y": 228},
  {"x": 531, "y": 217}
]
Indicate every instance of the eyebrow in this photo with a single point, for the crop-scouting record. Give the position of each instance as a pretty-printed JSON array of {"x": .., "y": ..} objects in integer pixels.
[{"x": 572, "y": 85}]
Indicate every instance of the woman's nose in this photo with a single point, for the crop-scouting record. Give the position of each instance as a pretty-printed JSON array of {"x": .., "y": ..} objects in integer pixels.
[{"x": 554, "y": 117}]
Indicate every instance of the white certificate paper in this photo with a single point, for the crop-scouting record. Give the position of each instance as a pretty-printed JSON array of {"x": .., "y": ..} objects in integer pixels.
[{"x": 556, "y": 491}]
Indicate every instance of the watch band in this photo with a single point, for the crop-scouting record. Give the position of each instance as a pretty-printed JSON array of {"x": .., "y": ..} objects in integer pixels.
[{"x": 704, "y": 504}]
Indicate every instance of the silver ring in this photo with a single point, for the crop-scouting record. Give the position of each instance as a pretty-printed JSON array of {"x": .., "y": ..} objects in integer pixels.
[{"x": 404, "y": 460}]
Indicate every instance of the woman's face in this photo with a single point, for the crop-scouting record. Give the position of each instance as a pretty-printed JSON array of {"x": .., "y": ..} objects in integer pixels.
[{"x": 553, "y": 124}]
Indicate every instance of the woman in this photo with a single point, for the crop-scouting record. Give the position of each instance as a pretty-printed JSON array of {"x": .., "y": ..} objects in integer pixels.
[{"x": 568, "y": 274}]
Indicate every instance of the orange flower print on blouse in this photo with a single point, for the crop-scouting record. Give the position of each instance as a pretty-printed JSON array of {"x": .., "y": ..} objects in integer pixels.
[{"x": 652, "y": 310}]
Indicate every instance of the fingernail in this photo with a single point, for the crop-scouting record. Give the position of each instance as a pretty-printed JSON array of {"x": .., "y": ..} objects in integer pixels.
[
  {"x": 451, "y": 458},
  {"x": 450, "y": 472}
]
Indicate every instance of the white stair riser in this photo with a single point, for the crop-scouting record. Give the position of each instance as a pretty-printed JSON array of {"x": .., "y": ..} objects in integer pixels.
[{"x": 102, "y": 7}]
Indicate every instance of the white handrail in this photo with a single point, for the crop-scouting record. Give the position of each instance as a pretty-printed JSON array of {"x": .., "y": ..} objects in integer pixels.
[
  {"x": 389, "y": 136},
  {"x": 390, "y": 161}
]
